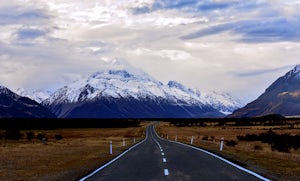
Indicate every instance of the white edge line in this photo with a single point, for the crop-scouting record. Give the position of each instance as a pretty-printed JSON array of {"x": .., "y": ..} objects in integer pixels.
[
  {"x": 216, "y": 156},
  {"x": 113, "y": 160}
]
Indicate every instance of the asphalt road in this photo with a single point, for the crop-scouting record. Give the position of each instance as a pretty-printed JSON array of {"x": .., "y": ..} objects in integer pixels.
[{"x": 159, "y": 159}]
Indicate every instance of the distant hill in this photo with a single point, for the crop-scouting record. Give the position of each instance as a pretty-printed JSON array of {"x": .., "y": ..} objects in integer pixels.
[
  {"x": 14, "y": 106},
  {"x": 282, "y": 97}
]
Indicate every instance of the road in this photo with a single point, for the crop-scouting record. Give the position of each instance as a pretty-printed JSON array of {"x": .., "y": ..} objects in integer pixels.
[{"x": 159, "y": 159}]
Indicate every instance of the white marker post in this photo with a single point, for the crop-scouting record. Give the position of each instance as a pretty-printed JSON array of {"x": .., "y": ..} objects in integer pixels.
[
  {"x": 222, "y": 142},
  {"x": 176, "y": 138},
  {"x": 133, "y": 139},
  {"x": 110, "y": 148},
  {"x": 192, "y": 140},
  {"x": 167, "y": 137},
  {"x": 124, "y": 142}
]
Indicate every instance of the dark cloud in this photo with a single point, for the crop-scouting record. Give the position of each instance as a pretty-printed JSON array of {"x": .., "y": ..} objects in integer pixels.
[
  {"x": 200, "y": 6},
  {"x": 257, "y": 30},
  {"x": 263, "y": 71}
]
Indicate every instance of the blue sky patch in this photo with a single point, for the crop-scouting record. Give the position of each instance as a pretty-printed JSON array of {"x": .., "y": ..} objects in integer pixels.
[{"x": 25, "y": 34}]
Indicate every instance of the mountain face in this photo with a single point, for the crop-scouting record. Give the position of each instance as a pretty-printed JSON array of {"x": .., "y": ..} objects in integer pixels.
[
  {"x": 120, "y": 94},
  {"x": 282, "y": 97},
  {"x": 37, "y": 95},
  {"x": 15, "y": 106},
  {"x": 223, "y": 102}
]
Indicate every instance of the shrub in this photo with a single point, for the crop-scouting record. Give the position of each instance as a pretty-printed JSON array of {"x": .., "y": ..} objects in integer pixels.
[
  {"x": 30, "y": 135},
  {"x": 13, "y": 135},
  {"x": 58, "y": 137},
  {"x": 40, "y": 136},
  {"x": 231, "y": 143},
  {"x": 257, "y": 147},
  {"x": 205, "y": 138}
]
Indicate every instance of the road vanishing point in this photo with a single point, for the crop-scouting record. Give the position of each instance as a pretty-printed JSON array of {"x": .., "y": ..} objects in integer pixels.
[{"x": 155, "y": 159}]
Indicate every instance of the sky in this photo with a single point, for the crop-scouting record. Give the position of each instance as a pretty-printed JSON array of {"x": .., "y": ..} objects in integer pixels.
[{"x": 233, "y": 46}]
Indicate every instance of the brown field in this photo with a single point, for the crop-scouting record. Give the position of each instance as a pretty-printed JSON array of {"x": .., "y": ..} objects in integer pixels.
[
  {"x": 77, "y": 154},
  {"x": 256, "y": 156}
]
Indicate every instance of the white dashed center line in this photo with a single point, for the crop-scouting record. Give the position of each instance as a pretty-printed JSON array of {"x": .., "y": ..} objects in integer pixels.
[{"x": 166, "y": 172}]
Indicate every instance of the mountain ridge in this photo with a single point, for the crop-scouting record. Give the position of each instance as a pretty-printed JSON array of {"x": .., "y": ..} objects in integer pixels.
[
  {"x": 13, "y": 105},
  {"x": 111, "y": 86},
  {"x": 281, "y": 97}
]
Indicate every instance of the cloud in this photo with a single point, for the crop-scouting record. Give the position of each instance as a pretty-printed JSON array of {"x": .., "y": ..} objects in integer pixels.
[
  {"x": 16, "y": 15},
  {"x": 173, "y": 55},
  {"x": 211, "y": 44},
  {"x": 204, "y": 6},
  {"x": 257, "y": 30},
  {"x": 263, "y": 71}
]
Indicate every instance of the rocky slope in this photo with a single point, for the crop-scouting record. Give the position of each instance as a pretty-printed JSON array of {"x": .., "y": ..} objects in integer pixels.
[{"x": 282, "y": 97}]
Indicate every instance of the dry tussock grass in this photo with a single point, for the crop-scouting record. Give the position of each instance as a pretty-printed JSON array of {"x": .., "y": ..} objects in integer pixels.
[
  {"x": 256, "y": 155},
  {"x": 79, "y": 152}
]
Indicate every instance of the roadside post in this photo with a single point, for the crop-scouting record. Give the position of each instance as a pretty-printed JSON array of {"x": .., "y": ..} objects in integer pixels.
[
  {"x": 192, "y": 140},
  {"x": 222, "y": 142},
  {"x": 124, "y": 142},
  {"x": 110, "y": 147},
  {"x": 176, "y": 138}
]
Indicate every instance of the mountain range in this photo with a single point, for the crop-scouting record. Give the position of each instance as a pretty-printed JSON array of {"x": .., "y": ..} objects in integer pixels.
[
  {"x": 281, "y": 97},
  {"x": 121, "y": 94}
]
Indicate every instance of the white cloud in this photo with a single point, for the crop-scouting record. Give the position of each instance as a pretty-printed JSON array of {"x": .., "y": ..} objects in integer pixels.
[{"x": 64, "y": 40}]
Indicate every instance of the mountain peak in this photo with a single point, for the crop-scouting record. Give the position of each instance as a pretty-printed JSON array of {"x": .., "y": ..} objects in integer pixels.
[
  {"x": 122, "y": 73},
  {"x": 3, "y": 89},
  {"x": 175, "y": 84},
  {"x": 294, "y": 73},
  {"x": 297, "y": 68},
  {"x": 37, "y": 95},
  {"x": 111, "y": 74}
]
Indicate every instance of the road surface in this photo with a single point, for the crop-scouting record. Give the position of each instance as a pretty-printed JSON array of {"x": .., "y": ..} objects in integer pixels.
[{"x": 159, "y": 159}]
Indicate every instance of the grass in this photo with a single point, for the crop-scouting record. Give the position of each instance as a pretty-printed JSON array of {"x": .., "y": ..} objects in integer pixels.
[
  {"x": 256, "y": 156},
  {"x": 77, "y": 154}
]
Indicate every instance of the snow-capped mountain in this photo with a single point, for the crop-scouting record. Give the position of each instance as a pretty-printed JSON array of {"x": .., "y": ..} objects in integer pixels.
[
  {"x": 37, "y": 95},
  {"x": 14, "y": 106},
  {"x": 223, "y": 102},
  {"x": 118, "y": 93},
  {"x": 281, "y": 97}
]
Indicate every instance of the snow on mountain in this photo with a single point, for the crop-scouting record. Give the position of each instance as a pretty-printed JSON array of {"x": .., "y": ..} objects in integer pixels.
[
  {"x": 37, "y": 95},
  {"x": 223, "y": 102},
  {"x": 110, "y": 83},
  {"x": 184, "y": 94},
  {"x": 13, "y": 105},
  {"x": 123, "y": 85},
  {"x": 294, "y": 73},
  {"x": 3, "y": 89}
]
